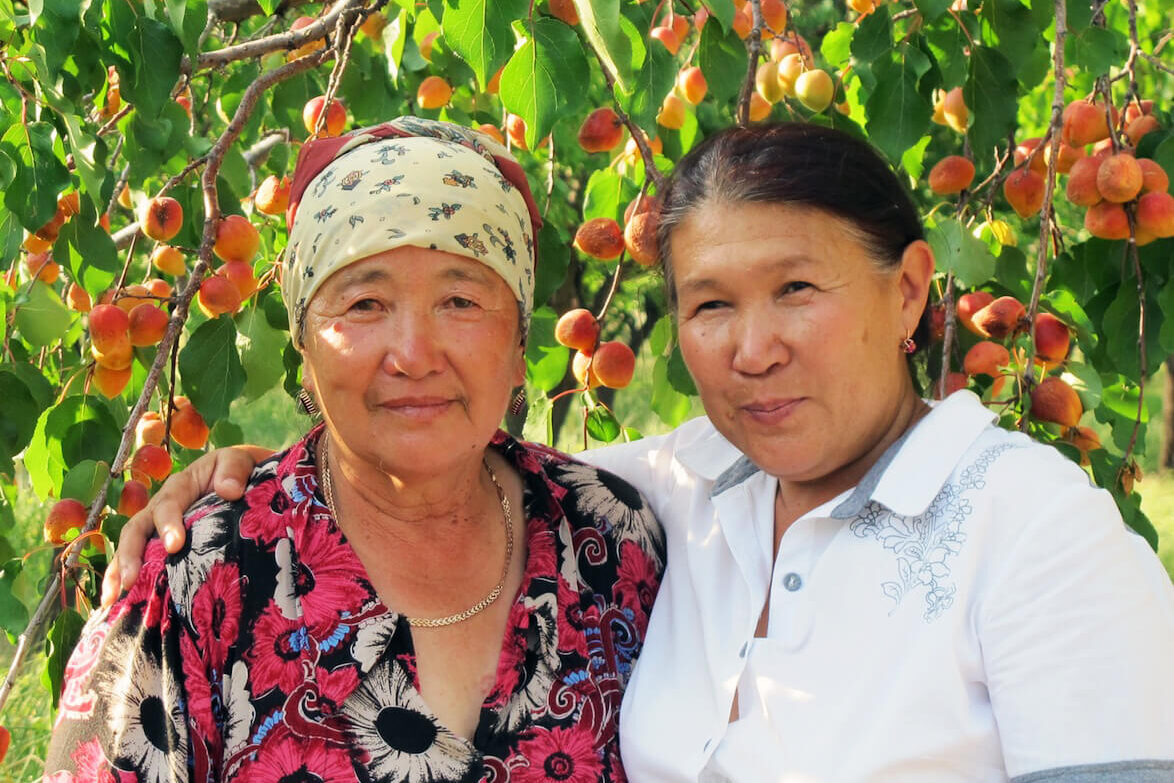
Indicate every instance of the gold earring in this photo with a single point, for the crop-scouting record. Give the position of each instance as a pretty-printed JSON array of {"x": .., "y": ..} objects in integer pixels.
[{"x": 907, "y": 345}]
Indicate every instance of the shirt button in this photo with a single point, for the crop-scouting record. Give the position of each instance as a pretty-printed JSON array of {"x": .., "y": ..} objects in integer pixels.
[{"x": 792, "y": 581}]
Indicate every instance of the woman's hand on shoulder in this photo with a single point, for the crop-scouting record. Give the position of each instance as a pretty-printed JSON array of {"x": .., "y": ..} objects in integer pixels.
[{"x": 224, "y": 471}]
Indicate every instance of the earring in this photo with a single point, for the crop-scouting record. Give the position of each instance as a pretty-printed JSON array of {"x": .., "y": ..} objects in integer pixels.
[
  {"x": 907, "y": 345},
  {"x": 519, "y": 402},
  {"x": 308, "y": 405}
]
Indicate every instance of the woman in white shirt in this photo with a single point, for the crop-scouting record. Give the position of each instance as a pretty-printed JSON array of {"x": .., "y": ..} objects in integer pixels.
[{"x": 860, "y": 586}]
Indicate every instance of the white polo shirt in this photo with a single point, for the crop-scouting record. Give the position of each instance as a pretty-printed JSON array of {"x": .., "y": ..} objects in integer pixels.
[{"x": 974, "y": 610}]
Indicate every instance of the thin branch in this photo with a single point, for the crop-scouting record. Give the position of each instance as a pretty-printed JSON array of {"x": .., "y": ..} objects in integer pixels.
[
  {"x": 753, "y": 53},
  {"x": 650, "y": 169}
]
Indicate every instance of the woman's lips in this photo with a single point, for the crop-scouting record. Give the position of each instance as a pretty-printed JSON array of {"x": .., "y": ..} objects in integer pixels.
[
  {"x": 417, "y": 407},
  {"x": 771, "y": 411}
]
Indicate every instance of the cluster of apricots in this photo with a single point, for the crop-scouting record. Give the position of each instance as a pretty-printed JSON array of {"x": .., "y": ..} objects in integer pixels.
[
  {"x": 609, "y": 364},
  {"x": 603, "y": 239},
  {"x": 125, "y": 319},
  {"x": 997, "y": 320}
]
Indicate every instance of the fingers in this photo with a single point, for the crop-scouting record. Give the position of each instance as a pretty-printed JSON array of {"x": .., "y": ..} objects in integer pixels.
[
  {"x": 111, "y": 582},
  {"x": 232, "y": 467}
]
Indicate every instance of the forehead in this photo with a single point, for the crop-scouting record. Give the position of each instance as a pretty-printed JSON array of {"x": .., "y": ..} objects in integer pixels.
[{"x": 415, "y": 265}]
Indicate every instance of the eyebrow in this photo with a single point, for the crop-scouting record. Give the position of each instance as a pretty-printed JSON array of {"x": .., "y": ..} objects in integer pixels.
[{"x": 702, "y": 284}]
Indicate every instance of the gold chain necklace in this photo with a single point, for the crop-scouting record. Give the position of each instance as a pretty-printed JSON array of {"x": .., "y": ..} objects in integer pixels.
[{"x": 459, "y": 617}]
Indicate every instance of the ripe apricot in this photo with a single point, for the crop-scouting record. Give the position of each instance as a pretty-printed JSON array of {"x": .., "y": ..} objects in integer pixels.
[
  {"x": 815, "y": 89},
  {"x": 159, "y": 288},
  {"x": 41, "y": 266},
  {"x": 641, "y": 204},
  {"x": 1023, "y": 151},
  {"x": 1024, "y": 191},
  {"x": 34, "y": 244},
  {"x": 433, "y": 93},
  {"x": 515, "y": 128},
  {"x": 1107, "y": 221},
  {"x": 69, "y": 204},
  {"x": 667, "y": 37},
  {"x": 743, "y": 22},
  {"x": 310, "y": 46},
  {"x": 583, "y": 371},
  {"x": 774, "y": 15},
  {"x": 163, "y": 218},
  {"x": 789, "y": 69},
  {"x": 1153, "y": 177},
  {"x": 565, "y": 11},
  {"x": 954, "y": 382},
  {"x": 577, "y": 329},
  {"x": 272, "y": 196},
  {"x": 1119, "y": 178},
  {"x": 951, "y": 174},
  {"x": 759, "y": 107},
  {"x": 672, "y": 112},
  {"x": 426, "y": 44},
  {"x": 116, "y": 357},
  {"x": 124, "y": 198},
  {"x": 1155, "y": 214},
  {"x": 151, "y": 461},
  {"x": 692, "y": 84},
  {"x": 240, "y": 275},
  {"x": 494, "y": 81},
  {"x": 147, "y": 325},
  {"x": 766, "y": 82},
  {"x": 986, "y": 358},
  {"x": 1066, "y": 158},
  {"x": 1000, "y": 318},
  {"x": 614, "y": 364},
  {"x": 78, "y": 298},
  {"x": 132, "y": 296},
  {"x": 373, "y": 25},
  {"x": 1084, "y": 438},
  {"x": 150, "y": 429},
  {"x": 968, "y": 305},
  {"x": 600, "y": 238},
  {"x": 1135, "y": 109},
  {"x": 640, "y": 238},
  {"x": 1140, "y": 127},
  {"x": 492, "y": 132},
  {"x": 601, "y": 131},
  {"x": 236, "y": 239},
  {"x": 950, "y": 110},
  {"x": 110, "y": 383},
  {"x": 335, "y": 116},
  {"x": 65, "y": 515},
  {"x": 1057, "y": 402},
  {"x": 1081, "y": 188},
  {"x": 108, "y": 326},
  {"x": 188, "y": 428},
  {"x": 133, "y": 498},
  {"x": 1084, "y": 123},
  {"x": 1052, "y": 339},
  {"x": 218, "y": 295},
  {"x": 169, "y": 260}
]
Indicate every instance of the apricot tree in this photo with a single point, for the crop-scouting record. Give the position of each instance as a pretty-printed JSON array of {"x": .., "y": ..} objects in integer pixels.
[{"x": 145, "y": 150}]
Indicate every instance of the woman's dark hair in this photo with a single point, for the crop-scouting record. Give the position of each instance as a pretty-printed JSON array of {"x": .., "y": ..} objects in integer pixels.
[{"x": 796, "y": 164}]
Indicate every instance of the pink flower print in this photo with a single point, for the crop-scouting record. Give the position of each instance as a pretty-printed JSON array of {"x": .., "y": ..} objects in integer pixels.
[{"x": 559, "y": 755}]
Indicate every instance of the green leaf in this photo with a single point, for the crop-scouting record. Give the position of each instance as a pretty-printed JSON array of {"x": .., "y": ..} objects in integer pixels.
[
  {"x": 210, "y": 368},
  {"x": 951, "y": 50},
  {"x": 836, "y": 45},
  {"x": 395, "y": 35},
  {"x": 1010, "y": 27},
  {"x": 1166, "y": 302},
  {"x": 13, "y": 614},
  {"x": 83, "y": 480},
  {"x": 898, "y": 115},
  {"x": 546, "y": 360},
  {"x": 43, "y": 318},
  {"x": 600, "y": 22},
  {"x": 19, "y": 421},
  {"x": 89, "y": 155},
  {"x": 1164, "y": 156},
  {"x": 1096, "y": 50},
  {"x": 267, "y": 6},
  {"x": 88, "y": 252},
  {"x": 722, "y": 11},
  {"x": 722, "y": 58},
  {"x": 932, "y": 9},
  {"x": 57, "y": 31},
  {"x": 40, "y": 176},
  {"x": 1012, "y": 272},
  {"x": 913, "y": 161},
  {"x": 62, "y": 638},
  {"x": 1086, "y": 381},
  {"x": 540, "y": 79},
  {"x": 554, "y": 257},
  {"x": 539, "y": 425},
  {"x": 602, "y": 424},
  {"x": 1119, "y": 327},
  {"x": 188, "y": 19},
  {"x": 260, "y": 347},
  {"x": 155, "y": 54},
  {"x": 874, "y": 35},
  {"x": 669, "y": 404},
  {"x": 678, "y": 374},
  {"x": 1064, "y": 305},
  {"x": 990, "y": 93},
  {"x": 78, "y": 428},
  {"x": 604, "y": 195},
  {"x": 661, "y": 335},
  {"x": 1122, "y": 400},
  {"x": 11, "y": 234},
  {"x": 649, "y": 86},
  {"x": 957, "y": 250},
  {"x": 479, "y": 32}
]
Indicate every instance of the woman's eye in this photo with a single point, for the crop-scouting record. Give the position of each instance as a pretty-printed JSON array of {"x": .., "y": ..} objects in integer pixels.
[
  {"x": 797, "y": 285},
  {"x": 710, "y": 305},
  {"x": 461, "y": 303},
  {"x": 366, "y": 305}
]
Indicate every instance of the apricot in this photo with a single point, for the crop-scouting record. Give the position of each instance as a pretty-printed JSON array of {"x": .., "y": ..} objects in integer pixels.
[
  {"x": 951, "y": 174},
  {"x": 955, "y": 381},
  {"x": 863, "y": 7},
  {"x": 601, "y": 131},
  {"x": 1155, "y": 214},
  {"x": 1066, "y": 158},
  {"x": 600, "y": 238},
  {"x": 188, "y": 428},
  {"x": 124, "y": 198},
  {"x": 34, "y": 244},
  {"x": 218, "y": 295},
  {"x": 433, "y": 93},
  {"x": 565, "y": 11},
  {"x": 766, "y": 82},
  {"x": 641, "y": 204},
  {"x": 240, "y": 274},
  {"x": 132, "y": 296},
  {"x": 577, "y": 329},
  {"x": 515, "y": 128},
  {"x": 640, "y": 238},
  {"x": 1084, "y": 123},
  {"x": 679, "y": 24},
  {"x": 1023, "y": 151},
  {"x": 692, "y": 85},
  {"x": 667, "y": 37},
  {"x": 494, "y": 81},
  {"x": 169, "y": 260},
  {"x": 163, "y": 218},
  {"x": 150, "y": 429},
  {"x": 308, "y": 47},
  {"x": 41, "y": 266},
  {"x": 1000, "y": 318},
  {"x": 1140, "y": 127},
  {"x": 335, "y": 116},
  {"x": 950, "y": 110},
  {"x": 159, "y": 288},
  {"x": 147, "y": 325},
  {"x": 52, "y": 228},
  {"x": 373, "y": 25},
  {"x": 109, "y": 325},
  {"x": 1119, "y": 178},
  {"x": 426, "y": 44},
  {"x": 272, "y": 196},
  {"x": 151, "y": 461},
  {"x": 759, "y": 107},
  {"x": 632, "y": 152},
  {"x": 65, "y": 515},
  {"x": 614, "y": 364},
  {"x": 815, "y": 89},
  {"x": 968, "y": 305},
  {"x": 1153, "y": 177},
  {"x": 774, "y": 15},
  {"x": 743, "y": 22},
  {"x": 672, "y": 112},
  {"x": 133, "y": 498},
  {"x": 116, "y": 357},
  {"x": 1081, "y": 188},
  {"x": 986, "y": 358},
  {"x": 1084, "y": 438},
  {"x": 69, "y": 204},
  {"x": 1024, "y": 191},
  {"x": 110, "y": 383},
  {"x": 1052, "y": 339},
  {"x": 1107, "y": 221},
  {"x": 78, "y": 298},
  {"x": 700, "y": 18},
  {"x": 583, "y": 371},
  {"x": 788, "y": 71},
  {"x": 780, "y": 47},
  {"x": 492, "y": 132},
  {"x": 236, "y": 239},
  {"x": 1057, "y": 402},
  {"x": 937, "y": 322}
]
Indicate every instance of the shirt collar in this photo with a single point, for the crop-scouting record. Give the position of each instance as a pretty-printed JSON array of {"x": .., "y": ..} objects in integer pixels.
[{"x": 906, "y": 477}]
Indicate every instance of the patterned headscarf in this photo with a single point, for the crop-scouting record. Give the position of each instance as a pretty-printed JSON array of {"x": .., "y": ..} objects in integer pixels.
[{"x": 411, "y": 181}]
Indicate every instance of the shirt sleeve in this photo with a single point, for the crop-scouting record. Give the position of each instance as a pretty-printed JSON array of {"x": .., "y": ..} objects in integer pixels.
[
  {"x": 133, "y": 694},
  {"x": 1077, "y": 631}
]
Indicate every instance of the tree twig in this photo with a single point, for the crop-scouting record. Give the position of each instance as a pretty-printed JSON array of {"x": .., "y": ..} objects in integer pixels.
[{"x": 753, "y": 52}]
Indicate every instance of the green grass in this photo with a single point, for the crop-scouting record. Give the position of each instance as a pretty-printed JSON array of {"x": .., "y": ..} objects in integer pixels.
[{"x": 1157, "y": 501}]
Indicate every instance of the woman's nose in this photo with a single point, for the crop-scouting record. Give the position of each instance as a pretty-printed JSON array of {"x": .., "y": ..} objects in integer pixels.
[
  {"x": 416, "y": 346},
  {"x": 758, "y": 344}
]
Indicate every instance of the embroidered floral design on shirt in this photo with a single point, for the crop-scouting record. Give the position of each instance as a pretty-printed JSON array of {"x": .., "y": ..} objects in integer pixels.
[{"x": 923, "y": 544}]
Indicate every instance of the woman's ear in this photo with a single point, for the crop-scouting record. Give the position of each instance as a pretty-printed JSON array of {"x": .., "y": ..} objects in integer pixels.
[{"x": 915, "y": 274}]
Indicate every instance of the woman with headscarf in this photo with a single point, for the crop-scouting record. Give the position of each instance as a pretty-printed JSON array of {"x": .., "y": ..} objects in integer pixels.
[{"x": 407, "y": 593}]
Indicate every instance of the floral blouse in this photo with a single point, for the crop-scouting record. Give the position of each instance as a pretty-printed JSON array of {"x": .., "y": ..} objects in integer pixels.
[{"x": 261, "y": 652}]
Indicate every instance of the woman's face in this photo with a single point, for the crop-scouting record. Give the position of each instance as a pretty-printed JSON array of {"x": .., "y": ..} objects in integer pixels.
[
  {"x": 792, "y": 333},
  {"x": 412, "y": 355}
]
